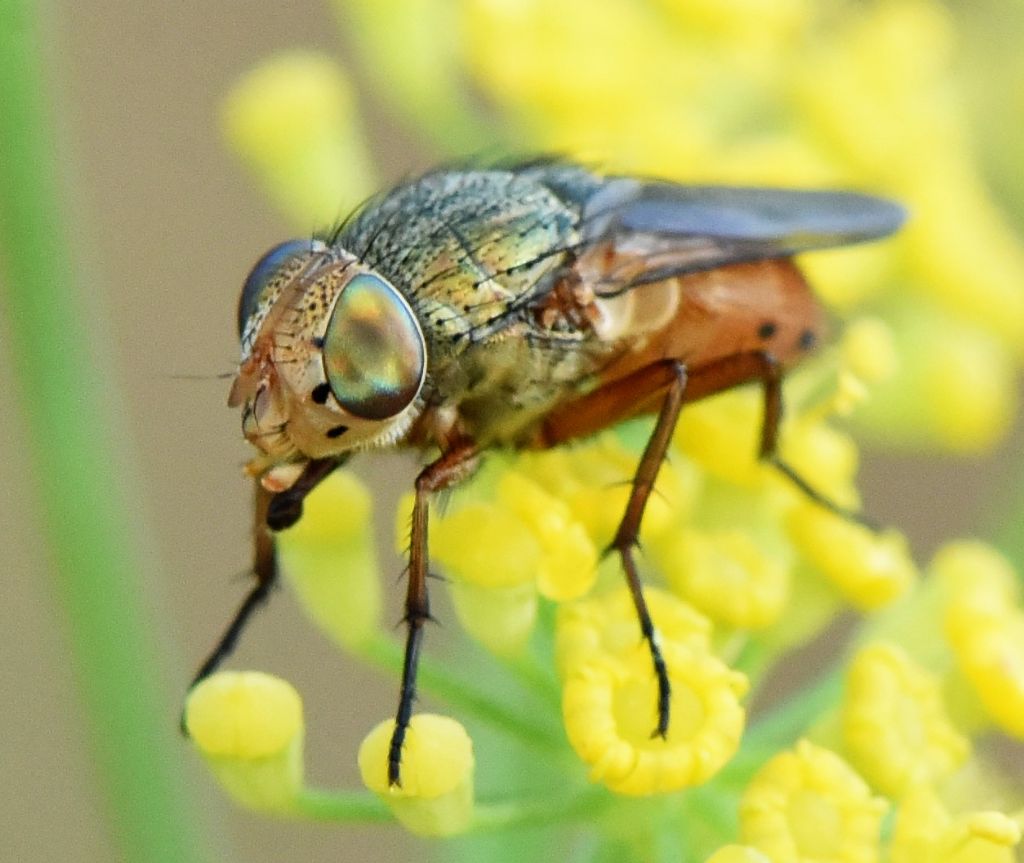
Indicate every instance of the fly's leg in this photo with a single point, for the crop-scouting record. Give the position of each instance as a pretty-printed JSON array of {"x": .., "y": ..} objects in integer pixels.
[
  {"x": 272, "y": 512},
  {"x": 627, "y": 535},
  {"x": 771, "y": 381},
  {"x": 454, "y": 465}
]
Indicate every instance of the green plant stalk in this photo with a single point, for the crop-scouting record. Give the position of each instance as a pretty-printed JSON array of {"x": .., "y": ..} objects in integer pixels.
[{"x": 78, "y": 478}]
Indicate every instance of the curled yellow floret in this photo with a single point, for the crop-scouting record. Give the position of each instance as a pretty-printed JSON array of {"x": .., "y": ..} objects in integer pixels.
[
  {"x": 895, "y": 728},
  {"x": 249, "y": 728},
  {"x": 806, "y": 805},
  {"x": 606, "y": 628},
  {"x": 722, "y": 435},
  {"x": 435, "y": 797},
  {"x": 609, "y": 709},
  {"x": 869, "y": 569}
]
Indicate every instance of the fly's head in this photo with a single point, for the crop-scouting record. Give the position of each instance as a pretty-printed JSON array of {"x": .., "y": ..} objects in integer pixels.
[{"x": 333, "y": 359}]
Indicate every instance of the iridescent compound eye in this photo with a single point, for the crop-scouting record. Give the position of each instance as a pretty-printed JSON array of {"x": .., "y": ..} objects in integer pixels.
[
  {"x": 374, "y": 353},
  {"x": 267, "y": 267}
]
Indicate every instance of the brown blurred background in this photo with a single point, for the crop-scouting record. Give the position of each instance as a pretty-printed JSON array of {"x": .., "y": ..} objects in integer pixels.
[{"x": 165, "y": 225}]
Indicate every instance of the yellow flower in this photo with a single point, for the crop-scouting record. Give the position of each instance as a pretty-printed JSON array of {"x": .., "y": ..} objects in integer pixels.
[
  {"x": 926, "y": 833},
  {"x": 954, "y": 385},
  {"x": 295, "y": 121},
  {"x": 807, "y": 805},
  {"x": 605, "y": 628},
  {"x": 726, "y": 575},
  {"x": 869, "y": 569},
  {"x": 984, "y": 622},
  {"x": 435, "y": 797},
  {"x": 593, "y": 479},
  {"x": 515, "y": 533},
  {"x": 568, "y": 559},
  {"x": 722, "y": 435},
  {"x": 248, "y": 727},
  {"x": 894, "y": 726},
  {"x": 609, "y": 708},
  {"x": 330, "y": 560}
]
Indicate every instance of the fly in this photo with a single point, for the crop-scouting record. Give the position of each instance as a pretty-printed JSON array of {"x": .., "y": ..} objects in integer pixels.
[{"x": 590, "y": 298}]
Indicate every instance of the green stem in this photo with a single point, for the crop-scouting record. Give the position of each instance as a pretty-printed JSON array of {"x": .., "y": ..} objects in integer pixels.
[
  {"x": 461, "y": 693},
  {"x": 585, "y": 806},
  {"x": 79, "y": 477},
  {"x": 345, "y": 806}
]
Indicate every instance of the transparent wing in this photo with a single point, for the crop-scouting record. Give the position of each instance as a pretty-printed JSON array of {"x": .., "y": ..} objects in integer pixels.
[{"x": 650, "y": 231}]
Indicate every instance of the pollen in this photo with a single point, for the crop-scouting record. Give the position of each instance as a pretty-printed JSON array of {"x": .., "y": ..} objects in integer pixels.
[
  {"x": 894, "y": 726},
  {"x": 807, "y": 804},
  {"x": 609, "y": 714}
]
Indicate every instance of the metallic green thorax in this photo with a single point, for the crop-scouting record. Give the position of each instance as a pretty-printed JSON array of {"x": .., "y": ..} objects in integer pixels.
[{"x": 474, "y": 252}]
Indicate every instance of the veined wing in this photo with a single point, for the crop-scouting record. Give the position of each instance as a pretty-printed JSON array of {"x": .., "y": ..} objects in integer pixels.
[{"x": 644, "y": 232}]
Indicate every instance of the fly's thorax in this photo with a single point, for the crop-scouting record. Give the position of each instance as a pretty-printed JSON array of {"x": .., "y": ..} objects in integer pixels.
[{"x": 333, "y": 357}]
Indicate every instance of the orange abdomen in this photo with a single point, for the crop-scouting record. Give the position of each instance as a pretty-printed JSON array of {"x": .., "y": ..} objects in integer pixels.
[{"x": 761, "y": 306}]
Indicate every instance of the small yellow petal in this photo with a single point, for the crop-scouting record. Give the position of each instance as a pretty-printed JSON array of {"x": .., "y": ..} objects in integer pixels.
[
  {"x": 486, "y": 544},
  {"x": 868, "y": 350}
]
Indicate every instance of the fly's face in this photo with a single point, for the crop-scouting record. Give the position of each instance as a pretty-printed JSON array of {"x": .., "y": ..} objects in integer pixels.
[{"x": 333, "y": 359}]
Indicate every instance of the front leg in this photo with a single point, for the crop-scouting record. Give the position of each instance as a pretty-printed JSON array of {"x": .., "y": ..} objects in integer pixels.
[{"x": 453, "y": 466}]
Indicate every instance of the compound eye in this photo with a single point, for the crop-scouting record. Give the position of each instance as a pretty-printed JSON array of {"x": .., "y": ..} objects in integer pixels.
[
  {"x": 374, "y": 353},
  {"x": 267, "y": 268}
]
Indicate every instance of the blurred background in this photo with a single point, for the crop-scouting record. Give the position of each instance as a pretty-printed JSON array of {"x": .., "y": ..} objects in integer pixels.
[{"x": 164, "y": 224}]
